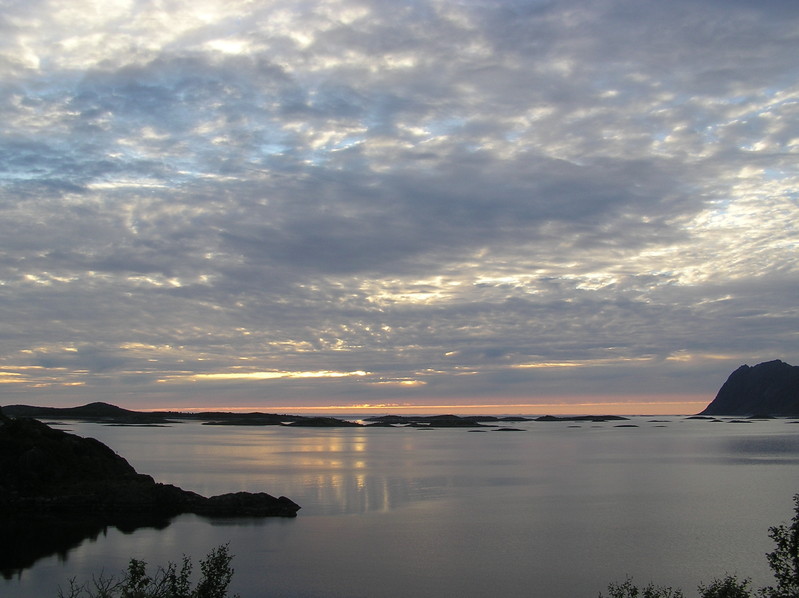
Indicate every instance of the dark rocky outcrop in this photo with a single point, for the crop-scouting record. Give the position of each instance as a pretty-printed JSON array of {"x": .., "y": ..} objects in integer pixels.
[
  {"x": 441, "y": 421},
  {"x": 581, "y": 418},
  {"x": 249, "y": 419},
  {"x": 431, "y": 421},
  {"x": 393, "y": 419},
  {"x": 451, "y": 421},
  {"x": 48, "y": 470},
  {"x": 324, "y": 422},
  {"x": 770, "y": 388}
]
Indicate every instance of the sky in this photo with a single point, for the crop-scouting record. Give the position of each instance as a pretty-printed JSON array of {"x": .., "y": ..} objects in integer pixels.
[{"x": 524, "y": 205}]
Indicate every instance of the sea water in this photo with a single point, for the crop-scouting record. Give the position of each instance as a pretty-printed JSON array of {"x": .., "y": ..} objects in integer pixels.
[{"x": 555, "y": 510}]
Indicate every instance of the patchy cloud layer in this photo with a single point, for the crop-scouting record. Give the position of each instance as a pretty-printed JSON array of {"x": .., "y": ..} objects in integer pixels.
[{"x": 349, "y": 201}]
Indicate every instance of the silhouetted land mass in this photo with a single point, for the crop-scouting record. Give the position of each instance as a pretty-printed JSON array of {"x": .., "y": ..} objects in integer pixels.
[
  {"x": 324, "y": 422},
  {"x": 96, "y": 412},
  {"x": 105, "y": 413},
  {"x": 242, "y": 419},
  {"x": 440, "y": 421},
  {"x": 766, "y": 389},
  {"x": 581, "y": 418},
  {"x": 58, "y": 489},
  {"x": 110, "y": 414},
  {"x": 113, "y": 415},
  {"x": 429, "y": 421},
  {"x": 48, "y": 470}
]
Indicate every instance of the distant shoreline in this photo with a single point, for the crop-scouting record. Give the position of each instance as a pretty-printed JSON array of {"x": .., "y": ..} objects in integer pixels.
[
  {"x": 105, "y": 413},
  {"x": 113, "y": 415}
]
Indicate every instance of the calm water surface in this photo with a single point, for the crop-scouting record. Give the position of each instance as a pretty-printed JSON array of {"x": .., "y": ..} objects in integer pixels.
[{"x": 552, "y": 511}]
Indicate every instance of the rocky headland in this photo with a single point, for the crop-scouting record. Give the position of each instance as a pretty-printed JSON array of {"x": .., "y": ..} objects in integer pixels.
[
  {"x": 44, "y": 470},
  {"x": 767, "y": 389}
]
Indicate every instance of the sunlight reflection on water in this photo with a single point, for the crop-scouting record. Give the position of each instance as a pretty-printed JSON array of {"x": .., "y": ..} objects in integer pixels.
[{"x": 397, "y": 512}]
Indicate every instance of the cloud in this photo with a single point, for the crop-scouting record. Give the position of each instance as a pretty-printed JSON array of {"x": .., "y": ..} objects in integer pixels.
[{"x": 454, "y": 197}]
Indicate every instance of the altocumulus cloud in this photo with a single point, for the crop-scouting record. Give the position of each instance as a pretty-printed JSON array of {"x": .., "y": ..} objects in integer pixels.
[{"x": 299, "y": 203}]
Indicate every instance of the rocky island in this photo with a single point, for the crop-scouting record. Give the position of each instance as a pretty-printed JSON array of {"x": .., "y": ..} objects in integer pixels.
[{"x": 104, "y": 413}]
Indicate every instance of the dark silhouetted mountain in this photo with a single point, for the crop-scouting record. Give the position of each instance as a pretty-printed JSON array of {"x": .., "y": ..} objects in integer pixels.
[{"x": 770, "y": 388}]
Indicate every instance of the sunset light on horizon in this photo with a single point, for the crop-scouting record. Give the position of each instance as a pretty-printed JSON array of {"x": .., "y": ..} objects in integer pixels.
[{"x": 598, "y": 406}]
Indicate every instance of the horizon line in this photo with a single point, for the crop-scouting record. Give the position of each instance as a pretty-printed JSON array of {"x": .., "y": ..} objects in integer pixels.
[{"x": 595, "y": 407}]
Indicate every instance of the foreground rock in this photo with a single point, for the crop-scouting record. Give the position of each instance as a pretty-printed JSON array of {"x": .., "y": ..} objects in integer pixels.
[
  {"x": 770, "y": 388},
  {"x": 48, "y": 470}
]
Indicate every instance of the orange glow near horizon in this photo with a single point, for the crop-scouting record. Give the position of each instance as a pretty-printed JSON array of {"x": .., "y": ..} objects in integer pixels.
[{"x": 666, "y": 406}]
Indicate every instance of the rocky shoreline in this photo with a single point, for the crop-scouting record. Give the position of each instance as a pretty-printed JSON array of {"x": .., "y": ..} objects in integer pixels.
[{"x": 44, "y": 470}]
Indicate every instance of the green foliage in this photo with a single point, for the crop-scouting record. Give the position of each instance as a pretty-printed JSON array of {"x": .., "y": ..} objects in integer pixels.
[
  {"x": 179, "y": 583},
  {"x": 215, "y": 569},
  {"x": 783, "y": 561},
  {"x": 137, "y": 582},
  {"x": 628, "y": 590},
  {"x": 216, "y": 574},
  {"x": 726, "y": 587}
]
